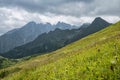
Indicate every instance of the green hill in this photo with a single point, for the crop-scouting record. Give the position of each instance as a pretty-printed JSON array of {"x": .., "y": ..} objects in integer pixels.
[{"x": 96, "y": 57}]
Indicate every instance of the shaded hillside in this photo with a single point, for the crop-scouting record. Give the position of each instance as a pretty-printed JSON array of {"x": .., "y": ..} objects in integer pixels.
[
  {"x": 54, "y": 40},
  {"x": 96, "y": 57}
]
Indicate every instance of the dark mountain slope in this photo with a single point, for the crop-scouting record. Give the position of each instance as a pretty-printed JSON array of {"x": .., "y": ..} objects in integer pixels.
[
  {"x": 97, "y": 25},
  {"x": 44, "y": 43}
]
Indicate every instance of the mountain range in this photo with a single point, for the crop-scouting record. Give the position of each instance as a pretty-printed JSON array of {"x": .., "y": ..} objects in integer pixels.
[
  {"x": 28, "y": 33},
  {"x": 55, "y": 39}
]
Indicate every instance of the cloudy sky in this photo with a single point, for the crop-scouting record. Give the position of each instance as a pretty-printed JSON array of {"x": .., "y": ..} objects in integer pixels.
[{"x": 16, "y": 13}]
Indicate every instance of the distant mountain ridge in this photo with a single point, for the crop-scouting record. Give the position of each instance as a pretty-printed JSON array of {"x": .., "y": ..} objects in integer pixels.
[
  {"x": 28, "y": 33},
  {"x": 55, "y": 39}
]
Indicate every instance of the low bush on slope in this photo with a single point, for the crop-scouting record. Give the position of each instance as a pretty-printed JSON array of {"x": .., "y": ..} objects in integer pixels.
[{"x": 4, "y": 62}]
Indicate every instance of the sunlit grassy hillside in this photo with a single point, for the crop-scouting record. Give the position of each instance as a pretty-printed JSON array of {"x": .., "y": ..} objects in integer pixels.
[{"x": 96, "y": 57}]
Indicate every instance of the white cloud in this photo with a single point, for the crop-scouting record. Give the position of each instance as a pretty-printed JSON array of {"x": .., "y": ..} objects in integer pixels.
[
  {"x": 15, "y": 18},
  {"x": 111, "y": 19}
]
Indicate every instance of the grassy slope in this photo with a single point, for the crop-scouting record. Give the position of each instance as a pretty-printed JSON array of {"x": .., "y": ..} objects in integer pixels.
[{"x": 96, "y": 57}]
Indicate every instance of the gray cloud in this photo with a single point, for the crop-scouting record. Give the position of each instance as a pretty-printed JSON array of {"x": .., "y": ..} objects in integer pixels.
[
  {"x": 67, "y": 7},
  {"x": 105, "y": 7},
  {"x": 43, "y": 6}
]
